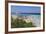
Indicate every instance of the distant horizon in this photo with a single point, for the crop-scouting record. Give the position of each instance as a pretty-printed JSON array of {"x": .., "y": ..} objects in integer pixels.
[{"x": 26, "y": 13}]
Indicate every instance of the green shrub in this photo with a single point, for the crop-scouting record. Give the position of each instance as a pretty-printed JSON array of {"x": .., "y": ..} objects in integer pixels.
[{"x": 20, "y": 23}]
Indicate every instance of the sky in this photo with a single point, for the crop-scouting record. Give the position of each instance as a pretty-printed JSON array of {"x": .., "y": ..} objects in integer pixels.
[{"x": 25, "y": 9}]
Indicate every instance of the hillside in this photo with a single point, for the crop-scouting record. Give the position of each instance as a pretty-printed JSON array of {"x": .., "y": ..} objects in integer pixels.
[{"x": 21, "y": 21}]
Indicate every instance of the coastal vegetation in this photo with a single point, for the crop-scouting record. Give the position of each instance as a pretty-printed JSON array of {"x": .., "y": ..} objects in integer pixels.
[{"x": 20, "y": 23}]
